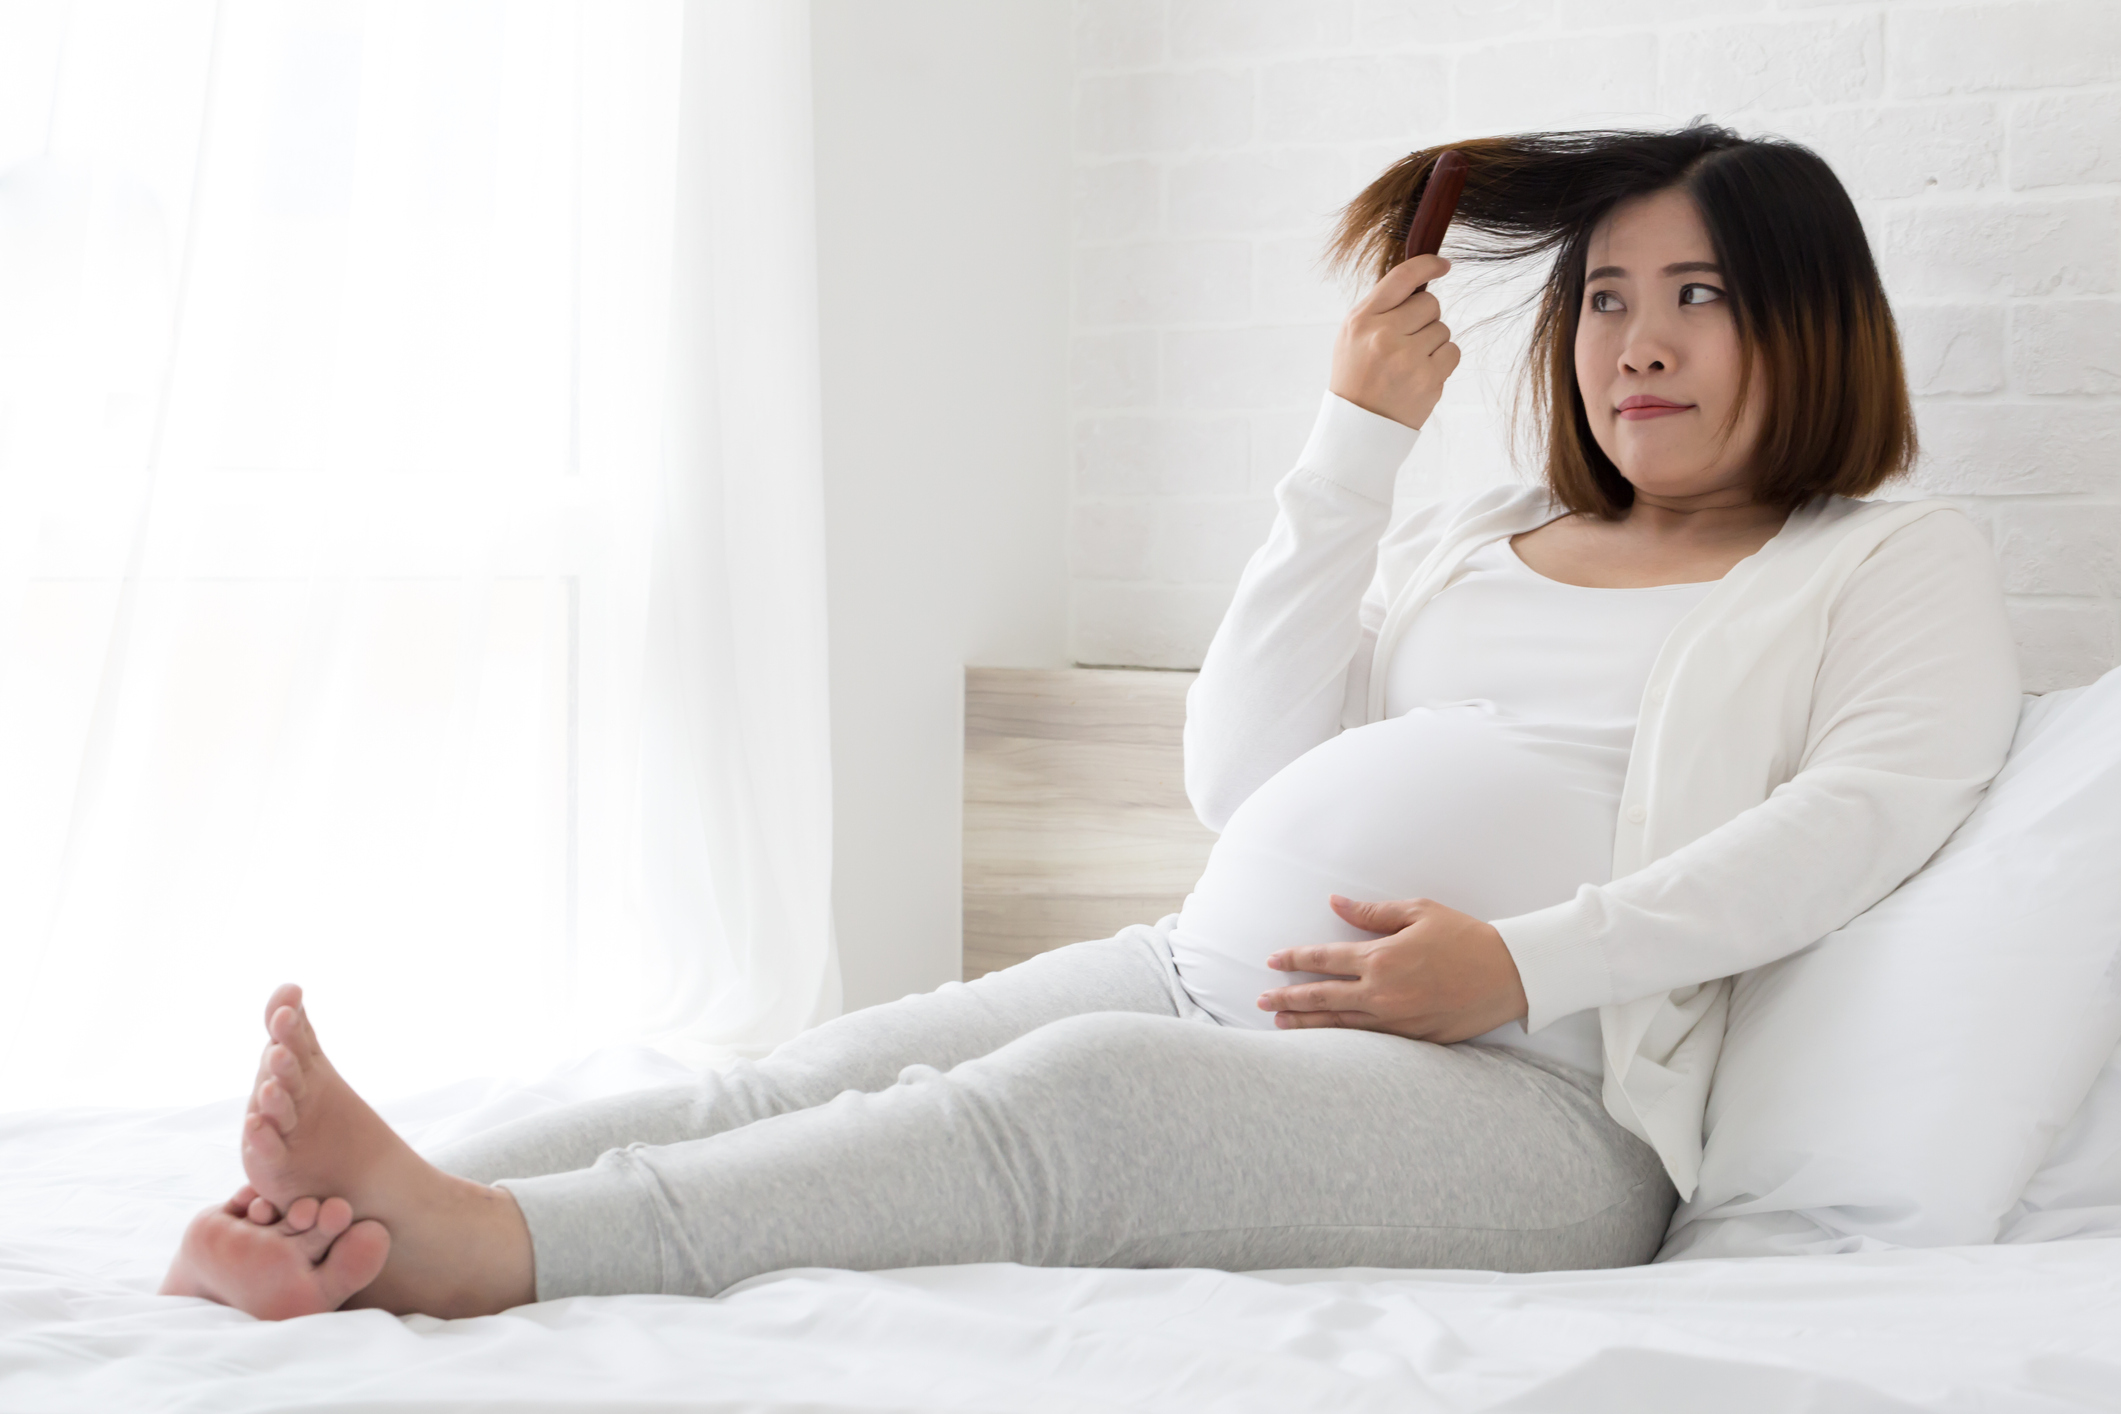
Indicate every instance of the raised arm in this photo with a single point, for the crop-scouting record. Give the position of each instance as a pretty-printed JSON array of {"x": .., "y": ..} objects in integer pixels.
[
  {"x": 1275, "y": 680},
  {"x": 1277, "y": 675}
]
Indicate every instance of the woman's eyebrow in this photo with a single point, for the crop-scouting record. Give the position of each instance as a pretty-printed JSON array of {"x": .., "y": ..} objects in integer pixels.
[{"x": 1677, "y": 267}]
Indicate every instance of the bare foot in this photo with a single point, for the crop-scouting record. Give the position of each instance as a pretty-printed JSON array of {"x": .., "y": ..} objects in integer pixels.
[
  {"x": 248, "y": 1255},
  {"x": 306, "y": 1131},
  {"x": 456, "y": 1248}
]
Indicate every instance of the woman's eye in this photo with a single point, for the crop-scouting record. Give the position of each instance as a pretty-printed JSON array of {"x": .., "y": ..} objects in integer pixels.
[
  {"x": 1708, "y": 292},
  {"x": 1597, "y": 298}
]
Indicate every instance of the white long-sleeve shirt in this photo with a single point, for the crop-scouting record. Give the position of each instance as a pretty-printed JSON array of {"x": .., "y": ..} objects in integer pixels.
[{"x": 1813, "y": 730}]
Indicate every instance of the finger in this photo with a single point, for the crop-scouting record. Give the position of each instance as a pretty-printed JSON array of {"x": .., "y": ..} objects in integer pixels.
[
  {"x": 1400, "y": 283},
  {"x": 1312, "y": 996},
  {"x": 1387, "y": 916},
  {"x": 1345, "y": 1020},
  {"x": 1336, "y": 959},
  {"x": 1418, "y": 313},
  {"x": 1429, "y": 338}
]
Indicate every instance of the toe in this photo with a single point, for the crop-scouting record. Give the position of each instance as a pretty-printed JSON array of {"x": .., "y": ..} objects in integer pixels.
[
  {"x": 263, "y": 1142},
  {"x": 290, "y": 1027},
  {"x": 301, "y": 1215},
  {"x": 285, "y": 1068},
  {"x": 262, "y": 1212},
  {"x": 276, "y": 1106},
  {"x": 287, "y": 994},
  {"x": 354, "y": 1261},
  {"x": 334, "y": 1215},
  {"x": 329, "y": 1219},
  {"x": 281, "y": 1024},
  {"x": 305, "y": 1036}
]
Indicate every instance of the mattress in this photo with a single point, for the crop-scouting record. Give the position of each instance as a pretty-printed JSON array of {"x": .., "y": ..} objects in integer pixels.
[{"x": 93, "y": 1201}]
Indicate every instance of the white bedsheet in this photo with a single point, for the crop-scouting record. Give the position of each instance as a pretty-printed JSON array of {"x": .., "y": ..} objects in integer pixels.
[{"x": 92, "y": 1203}]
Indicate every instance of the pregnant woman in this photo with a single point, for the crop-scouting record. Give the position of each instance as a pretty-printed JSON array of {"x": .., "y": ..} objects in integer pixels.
[{"x": 1507, "y": 787}]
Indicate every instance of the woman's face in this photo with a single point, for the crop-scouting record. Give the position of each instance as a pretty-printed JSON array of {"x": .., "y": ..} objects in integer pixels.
[{"x": 1657, "y": 355}]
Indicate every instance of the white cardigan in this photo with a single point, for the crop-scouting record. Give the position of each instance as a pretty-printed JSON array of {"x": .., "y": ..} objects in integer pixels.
[{"x": 1812, "y": 731}]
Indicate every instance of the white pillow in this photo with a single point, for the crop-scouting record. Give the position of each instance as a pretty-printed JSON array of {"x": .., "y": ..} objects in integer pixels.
[
  {"x": 2077, "y": 1192},
  {"x": 1898, "y": 1082}
]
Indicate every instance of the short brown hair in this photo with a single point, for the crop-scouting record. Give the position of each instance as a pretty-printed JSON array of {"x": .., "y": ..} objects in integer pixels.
[{"x": 1804, "y": 290}]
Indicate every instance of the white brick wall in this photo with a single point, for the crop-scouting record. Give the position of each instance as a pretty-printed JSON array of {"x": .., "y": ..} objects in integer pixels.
[{"x": 1214, "y": 140}]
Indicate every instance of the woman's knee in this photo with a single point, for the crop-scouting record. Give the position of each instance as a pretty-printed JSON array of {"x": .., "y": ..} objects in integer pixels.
[
  {"x": 1087, "y": 1063},
  {"x": 1111, "y": 1037}
]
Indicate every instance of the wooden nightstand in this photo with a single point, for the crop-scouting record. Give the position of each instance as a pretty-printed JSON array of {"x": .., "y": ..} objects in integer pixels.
[{"x": 1076, "y": 819}]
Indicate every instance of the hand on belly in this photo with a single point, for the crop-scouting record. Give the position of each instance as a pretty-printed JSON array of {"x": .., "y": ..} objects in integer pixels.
[
  {"x": 1440, "y": 975},
  {"x": 1453, "y": 803}
]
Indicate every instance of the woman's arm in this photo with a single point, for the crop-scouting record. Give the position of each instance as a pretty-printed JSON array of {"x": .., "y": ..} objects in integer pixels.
[
  {"x": 1276, "y": 677},
  {"x": 1913, "y": 712}
]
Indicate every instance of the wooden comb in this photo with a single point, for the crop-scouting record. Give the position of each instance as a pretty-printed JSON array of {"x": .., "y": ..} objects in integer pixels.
[{"x": 1439, "y": 200}]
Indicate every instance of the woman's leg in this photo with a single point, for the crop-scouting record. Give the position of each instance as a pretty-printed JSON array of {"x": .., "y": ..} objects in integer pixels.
[
  {"x": 459, "y": 1247},
  {"x": 1134, "y": 1141},
  {"x": 863, "y": 1050},
  {"x": 456, "y": 1246}
]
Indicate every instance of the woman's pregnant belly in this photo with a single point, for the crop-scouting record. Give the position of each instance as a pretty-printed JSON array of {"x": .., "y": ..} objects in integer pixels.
[{"x": 1486, "y": 815}]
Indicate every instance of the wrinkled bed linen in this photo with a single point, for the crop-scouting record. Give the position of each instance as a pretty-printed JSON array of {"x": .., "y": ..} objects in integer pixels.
[{"x": 92, "y": 1203}]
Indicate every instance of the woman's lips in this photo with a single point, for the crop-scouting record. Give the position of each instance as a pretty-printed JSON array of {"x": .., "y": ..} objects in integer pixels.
[{"x": 1645, "y": 413}]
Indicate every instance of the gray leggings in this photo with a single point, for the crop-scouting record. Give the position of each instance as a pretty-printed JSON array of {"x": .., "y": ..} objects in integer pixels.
[{"x": 1078, "y": 1109}]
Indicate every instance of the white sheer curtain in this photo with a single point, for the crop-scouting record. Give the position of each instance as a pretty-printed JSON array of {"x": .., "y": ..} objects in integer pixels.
[{"x": 411, "y": 552}]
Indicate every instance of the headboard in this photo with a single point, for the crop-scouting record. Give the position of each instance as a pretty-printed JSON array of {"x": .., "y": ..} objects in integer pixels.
[{"x": 1076, "y": 819}]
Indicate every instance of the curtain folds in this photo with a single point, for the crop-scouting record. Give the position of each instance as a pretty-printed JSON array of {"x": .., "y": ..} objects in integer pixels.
[
  {"x": 743, "y": 832},
  {"x": 411, "y": 573}
]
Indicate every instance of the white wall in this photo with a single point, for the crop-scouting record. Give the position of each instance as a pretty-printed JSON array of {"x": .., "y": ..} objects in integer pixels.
[
  {"x": 942, "y": 169},
  {"x": 1214, "y": 140}
]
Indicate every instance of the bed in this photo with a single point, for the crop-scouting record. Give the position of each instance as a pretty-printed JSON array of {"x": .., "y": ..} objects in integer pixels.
[{"x": 94, "y": 1201}]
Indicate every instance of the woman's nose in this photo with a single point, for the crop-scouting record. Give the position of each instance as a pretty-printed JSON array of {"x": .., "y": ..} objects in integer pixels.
[{"x": 1645, "y": 353}]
